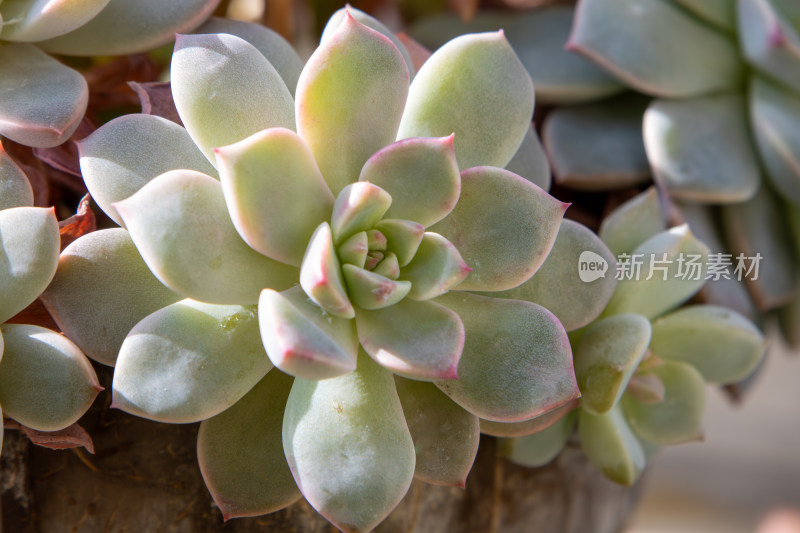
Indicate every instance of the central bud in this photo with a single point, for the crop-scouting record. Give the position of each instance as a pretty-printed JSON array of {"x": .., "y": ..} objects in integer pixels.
[{"x": 359, "y": 258}]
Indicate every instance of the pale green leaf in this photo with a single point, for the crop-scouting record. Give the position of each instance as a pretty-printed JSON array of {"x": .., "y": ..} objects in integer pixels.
[
  {"x": 37, "y": 20},
  {"x": 633, "y": 222},
  {"x": 540, "y": 448},
  {"x": 531, "y": 162},
  {"x": 611, "y": 446},
  {"x": 15, "y": 189}
]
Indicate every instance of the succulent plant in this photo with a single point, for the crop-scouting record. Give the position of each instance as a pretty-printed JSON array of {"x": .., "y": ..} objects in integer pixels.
[
  {"x": 359, "y": 233},
  {"x": 643, "y": 364},
  {"x": 46, "y": 383},
  {"x": 44, "y": 100}
]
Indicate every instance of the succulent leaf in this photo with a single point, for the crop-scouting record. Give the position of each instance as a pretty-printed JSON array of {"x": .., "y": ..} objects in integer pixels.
[
  {"x": 503, "y": 226},
  {"x": 418, "y": 340},
  {"x": 606, "y": 357},
  {"x": 15, "y": 189},
  {"x": 271, "y": 44},
  {"x": 531, "y": 162},
  {"x": 37, "y": 20},
  {"x": 421, "y": 176},
  {"x": 46, "y": 383},
  {"x": 540, "y": 448},
  {"x": 598, "y": 146},
  {"x": 557, "y": 284},
  {"x": 240, "y": 452},
  {"x": 125, "y": 27},
  {"x": 611, "y": 446},
  {"x": 656, "y": 47},
  {"x": 101, "y": 290},
  {"x": 369, "y": 290},
  {"x": 43, "y": 100},
  {"x": 436, "y": 268},
  {"x": 775, "y": 117},
  {"x": 29, "y": 245},
  {"x": 722, "y": 344},
  {"x": 769, "y": 42},
  {"x": 445, "y": 435},
  {"x": 403, "y": 237},
  {"x": 665, "y": 259},
  {"x": 189, "y": 361},
  {"x": 358, "y": 207},
  {"x": 180, "y": 225},
  {"x": 527, "y": 427},
  {"x": 370, "y": 22},
  {"x": 123, "y": 155},
  {"x": 721, "y": 13},
  {"x": 529, "y": 370},
  {"x": 275, "y": 193},
  {"x": 701, "y": 149},
  {"x": 348, "y": 445},
  {"x": 321, "y": 275},
  {"x": 633, "y": 222},
  {"x": 678, "y": 418},
  {"x": 225, "y": 90},
  {"x": 302, "y": 340},
  {"x": 354, "y": 84},
  {"x": 456, "y": 91}
]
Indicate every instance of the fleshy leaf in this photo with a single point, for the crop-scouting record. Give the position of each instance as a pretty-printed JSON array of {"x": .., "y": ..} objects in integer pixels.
[
  {"x": 101, "y": 290},
  {"x": 44, "y": 19},
  {"x": 769, "y": 42},
  {"x": 123, "y": 155},
  {"x": 358, "y": 207},
  {"x": 348, "y": 446},
  {"x": 646, "y": 388},
  {"x": 271, "y": 44},
  {"x": 369, "y": 290},
  {"x": 503, "y": 226},
  {"x": 674, "y": 260},
  {"x": 531, "y": 162},
  {"x": 456, "y": 91},
  {"x": 775, "y": 116},
  {"x": 606, "y": 357},
  {"x": 529, "y": 370},
  {"x": 420, "y": 174},
  {"x": 757, "y": 232},
  {"x": 540, "y": 448},
  {"x": 701, "y": 149},
  {"x": 43, "y": 101},
  {"x": 678, "y": 418},
  {"x": 656, "y": 47},
  {"x": 598, "y": 146},
  {"x": 445, "y": 435},
  {"x": 633, "y": 222},
  {"x": 189, "y": 361},
  {"x": 46, "y": 383},
  {"x": 350, "y": 97},
  {"x": 321, "y": 275},
  {"x": 302, "y": 340},
  {"x": 370, "y": 22},
  {"x": 403, "y": 238},
  {"x": 611, "y": 446},
  {"x": 722, "y": 344},
  {"x": 436, "y": 268},
  {"x": 15, "y": 189},
  {"x": 527, "y": 427},
  {"x": 29, "y": 246},
  {"x": 240, "y": 452},
  {"x": 721, "y": 13},
  {"x": 226, "y": 90},
  {"x": 180, "y": 225},
  {"x": 354, "y": 249},
  {"x": 125, "y": 27},
  {"x": 418, "y": 340},
  {"x": 558, "y": 284},
  {"x": 275, "y": 193}
]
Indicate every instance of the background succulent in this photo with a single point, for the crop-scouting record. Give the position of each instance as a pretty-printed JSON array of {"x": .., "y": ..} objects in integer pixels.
[
  {"x": 44, "y": 100},
  {"x": 374, "y": 240},
  {"x": 46, "y": 383},
  {"x": 643, "y": 365}
]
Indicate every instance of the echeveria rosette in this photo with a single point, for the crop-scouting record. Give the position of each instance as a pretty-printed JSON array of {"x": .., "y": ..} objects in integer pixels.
[
  {"x": 46, "y": 383},
  {"x": 43, "y": 100},
  {"x": 340, "y": 235},
  {"x": 642, "y": 365}
]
